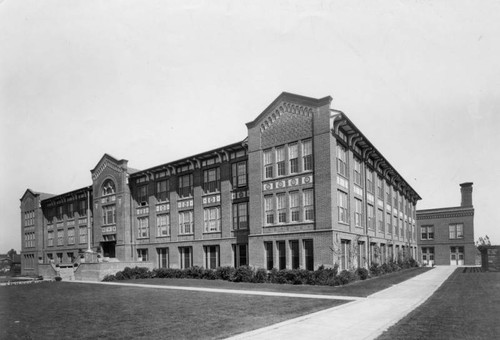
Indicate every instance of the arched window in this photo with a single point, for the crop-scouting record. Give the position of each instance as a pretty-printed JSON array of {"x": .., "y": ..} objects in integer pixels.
[{"x": 108, "y": 187}]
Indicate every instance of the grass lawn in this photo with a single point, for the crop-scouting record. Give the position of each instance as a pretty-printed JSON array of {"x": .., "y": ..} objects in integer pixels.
[
  {"x": 466, "y": 306},
  {"x": 59, "y": 310},
  {"x": 358, "y": 288}
]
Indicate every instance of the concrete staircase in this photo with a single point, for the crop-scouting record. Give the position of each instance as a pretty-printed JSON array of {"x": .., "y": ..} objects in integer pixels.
[{"x": 67, "y": 273}]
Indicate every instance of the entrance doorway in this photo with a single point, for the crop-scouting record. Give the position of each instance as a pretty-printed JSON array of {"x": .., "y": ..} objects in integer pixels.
[
  {"x": 456, "y": 256},
  {"x": 108, "y": 249}
]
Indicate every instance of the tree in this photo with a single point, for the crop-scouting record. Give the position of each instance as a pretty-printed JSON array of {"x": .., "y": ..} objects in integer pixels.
[
  {"x": 11, "y": 254},
  {"x": 483, "y": 242}
]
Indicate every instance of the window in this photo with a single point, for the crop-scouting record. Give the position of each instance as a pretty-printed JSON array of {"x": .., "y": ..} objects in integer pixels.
[
  {"x": 108, "y": 188},
  {"x": 380, "y": 219},
  {"x": 380, "y": 192},
  {"x": 163, "y": 225},
  {"x": 211, "y": 180},
  {"x": 456, "y": 230},
  {"x": 293, "y": 157},
  {"x": 309, "y": 254},
  {"x": 50, "y": 238},
  {"x": 186, "y": 222},
  {"x": 308, "y": 205},
  {"x": 142, "y": 255},
  {"x": 240, "y": 216},
  {"x": 307, "y": 161},
  {"x": 71, "y": 235},
  {"x": 281, "y": 255},
  {"x": 427, "y": 255},
  {"x": 395, "y": 225},
  {"x": 142, "y": 195},
  {"x": 369, "y": 181},
  {"x": 108, "y": 215},
  {"x": 211, "y": 257},
  {"x": 395, "y": 200},
  {"x": 239, "y": 171},
  {"x": 143, "y": 227},
  {"x": 268, "y": 247},
  {"x": 71, "y": 256},
  {"x": 427, "y": 232},
  {"x": 162, "y": 257},
  {"x": 343, "y": 211},
  {"x": 281, "y": 205},
  {"x": 82, "y": 208},
  {"x": 82, "y": 232},
  {"x": 269, "y": 209},
  {"x": 387, "y": 193},
  {"x": 268, "y": 164},
  {"x": 345, "y": 258},
  {"x": 212, "y": 219},
  {"x": 240, "y": 254},
  {"x": 162, "y": 188},
  {"x": 186, "y": 257},
  {"x": 358, "y": 213},
  {"x": 294, "y": 207},
  {"x": 280, "y": 161},
  {"x": 357, "y": 172},
  {"x": 388, "y": 222},
  {"x": 60, "y": 237},
  {"x": 59, "y": 257},
  {"x": 341, "y": 160},
  {"x": 294, "y": 248},
  {"x": 71, "y": 210},
  {"x": 186, "y": 186},
  {"x": 60, "y": 212},
  {"x": 371, "y": 216}
]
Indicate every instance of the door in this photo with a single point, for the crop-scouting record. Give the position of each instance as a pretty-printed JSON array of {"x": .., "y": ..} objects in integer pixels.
[
  {"x": 108, "y": 249},
  {"x": 454, "y": 256}
]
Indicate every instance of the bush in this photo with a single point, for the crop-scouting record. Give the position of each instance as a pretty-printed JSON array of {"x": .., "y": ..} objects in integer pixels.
[
  {"x": 242, "y": 274},
  {"x": 362, "y": 273},
  {"x": 224, "y": 273},
  {"x": 375, "y": 269},
  {"x": 209, "y": 274},
  {"x": 194, "y": 272},
  {"x": 109, "y": 278},
  {"x": 324, "y": 276},
  {"x": 39, "y": 277},
  {"x": 58, "y": 278},
  {"x": 386, "y": 268},
  {"x": 260, "y": 275},
  {"x": 345, "y": 277}
]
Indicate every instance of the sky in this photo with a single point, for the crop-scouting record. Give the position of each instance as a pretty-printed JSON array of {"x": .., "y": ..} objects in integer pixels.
[{"x": 155, "y": 81}]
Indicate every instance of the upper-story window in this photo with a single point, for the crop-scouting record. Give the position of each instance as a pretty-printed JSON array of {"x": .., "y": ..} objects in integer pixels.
[
  {"x": 268, "y": 164},
  {"x": 108, "y": 214},
  {"x": 341, "y": 160},
  {"x": 186, "y": 185},
  {"x": 307, "y": 159},
  {"x": 357, "y": 172},
  {"x": 108, "y": 187},
  {"x": 71, "y": 209},
  {"x": 82, "y": 208},
  {"x": 395, "y": 196},
  {"x": 369, "y": 180},
  {"x": 427, "y": 232},
  {"x": 142, "y": 195},
  {"x": 293, "y": 157},
  {"x": 211, "y": 180},
  {"x": 239, "y": 172},
  {"x": 456, "y": 230},
  {"x": 380, "y": 192},
  {"x": 387, "y": 193},
  {"x": 280, "y": 161},
  {"x": 162, "y": 188}
]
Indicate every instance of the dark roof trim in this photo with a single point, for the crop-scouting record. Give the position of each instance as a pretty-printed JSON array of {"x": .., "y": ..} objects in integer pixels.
[{"x": 73, "y": 192}]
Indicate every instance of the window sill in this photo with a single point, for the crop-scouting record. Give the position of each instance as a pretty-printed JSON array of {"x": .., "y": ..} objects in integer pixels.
[
  {"x": 191, "y": 234},
  {"x": 212, "y": 232},
  {"x": 162, "y": 236}
]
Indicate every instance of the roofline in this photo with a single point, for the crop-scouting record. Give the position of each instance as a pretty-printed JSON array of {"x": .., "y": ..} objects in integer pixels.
[
  {"x": 445, "y": 209},
  {"x": 87, "y": 188}
]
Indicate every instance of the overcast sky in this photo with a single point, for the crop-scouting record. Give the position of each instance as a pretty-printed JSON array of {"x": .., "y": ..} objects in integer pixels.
[{"x": 154, "y": 81}]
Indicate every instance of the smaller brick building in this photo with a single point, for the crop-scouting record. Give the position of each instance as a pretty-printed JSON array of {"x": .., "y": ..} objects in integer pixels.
[{"x": 446, "y": 235}]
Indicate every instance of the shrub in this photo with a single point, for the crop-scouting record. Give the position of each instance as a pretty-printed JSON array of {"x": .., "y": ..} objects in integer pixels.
[
  {"x": 324, "y": 276},
  {"x": 395, "y": 267},
  {"x": 224, "y": 273},
  {"x": 194, "y": 272},
  {"x": 209, "y": 274},
  {"x": 40, "y": 277},
  {"x": 362, "y": 273},
  {"x": 260, "y": 275},
  {"x": 386, "y": 268},
  {"x": 345, "y": 276},
  {"x": 375, "y": 269},
  {"x": 109, "y": 278},
  {"x": 242, "y": 274},
  {"x": 58, "y": 278}
]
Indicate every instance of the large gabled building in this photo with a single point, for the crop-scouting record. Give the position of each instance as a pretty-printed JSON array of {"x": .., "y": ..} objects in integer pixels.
[{"x": 304, "y": 189}]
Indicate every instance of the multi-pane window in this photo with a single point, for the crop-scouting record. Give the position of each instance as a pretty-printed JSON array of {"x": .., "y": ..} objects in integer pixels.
[
  {"x": 280, "y": 161},
  {"x": 211, "y": 180},
  {"x": 71, "y": 235},
  {"x": 341, "y": 160},
  {"x": 240, "y": 254},
  {"x": 162, "y": 188},
  {"x": 142, "y": 255},
  {"x": 281, "y": 205},
  {"x": 269, "y": 209},
  {"x": 369, "y": 181},
  {"x": 162, "y": 225},
  {"x": 59, "y": 212},
  {"x": 456, "y": 230},
  {"x": 142, "y": 195},
  {"x": 309, "y": 254},
  {"x": 59, "y": 257},
  {"x": 212, "y": 258},
  {"x": 427, "y": 255},
  {"x": 387, "y": 193},
  {"x": 186, "y": 257},
  {"x": 281, "y": 254},
  {"x": 358, "y": 212},
  {"x": 395, "y": 225},
  {"x": 186, "y": 222},
  {"x": 50, "y": 238},
  {"x": 380, "y": 220},
  {"x": 388, "y": 222},
  {"x": 345, "y": 258},
  {"x": 71, "y": 210},
  {"x": 268, "y": 164},
  {"x": 162, "y": 257},
  {"x": 82, "y": 208},
  {"x": 308, "y": 201},
  {"x": 342, "y": 204},
  {"x": 268, "y": 247},
  {"x": 29, "y": 240},
  {"x": 293, "y": 157},
  {"x": 294, "y": 248},
  {"x": 186, "y": 185},
  {"x": 294, "y": 206},
  {"x": 143, "y": 227},
  {"x": 60, "y": 237},
  {"x": 307, "y": 160},
  {"x": 395, "y": 200},
  {"x": 357, "y": 172},
  {"x": 427, "y": 232},
  {"x": 380, "y": 192},
  {"x": 109, "y": 214},
  {"x": 239, "y": 172},
  {"x": 108, "y": 187},
  {"x": 240, "y": 216},
  {"x": 82, "y": 232},
  {"x": 212, "y": 219},
  {"x": 29, "y": 218},
  {"x": 371, "y": 216}
]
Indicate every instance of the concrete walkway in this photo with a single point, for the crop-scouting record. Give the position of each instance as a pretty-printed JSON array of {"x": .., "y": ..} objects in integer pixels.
[{"x": 362, "y": 318}]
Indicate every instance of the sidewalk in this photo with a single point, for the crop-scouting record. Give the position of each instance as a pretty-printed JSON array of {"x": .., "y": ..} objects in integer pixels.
[{"x": 360, "y": 319}]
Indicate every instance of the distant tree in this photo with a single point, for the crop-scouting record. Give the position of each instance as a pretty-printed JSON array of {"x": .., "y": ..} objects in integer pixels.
[
  {"x": 483, "y": 242},
  {"x": 11, "y": 254}
]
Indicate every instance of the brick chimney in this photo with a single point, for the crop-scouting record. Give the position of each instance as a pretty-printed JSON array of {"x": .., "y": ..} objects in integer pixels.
[{"x": 466, "y": 191}]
